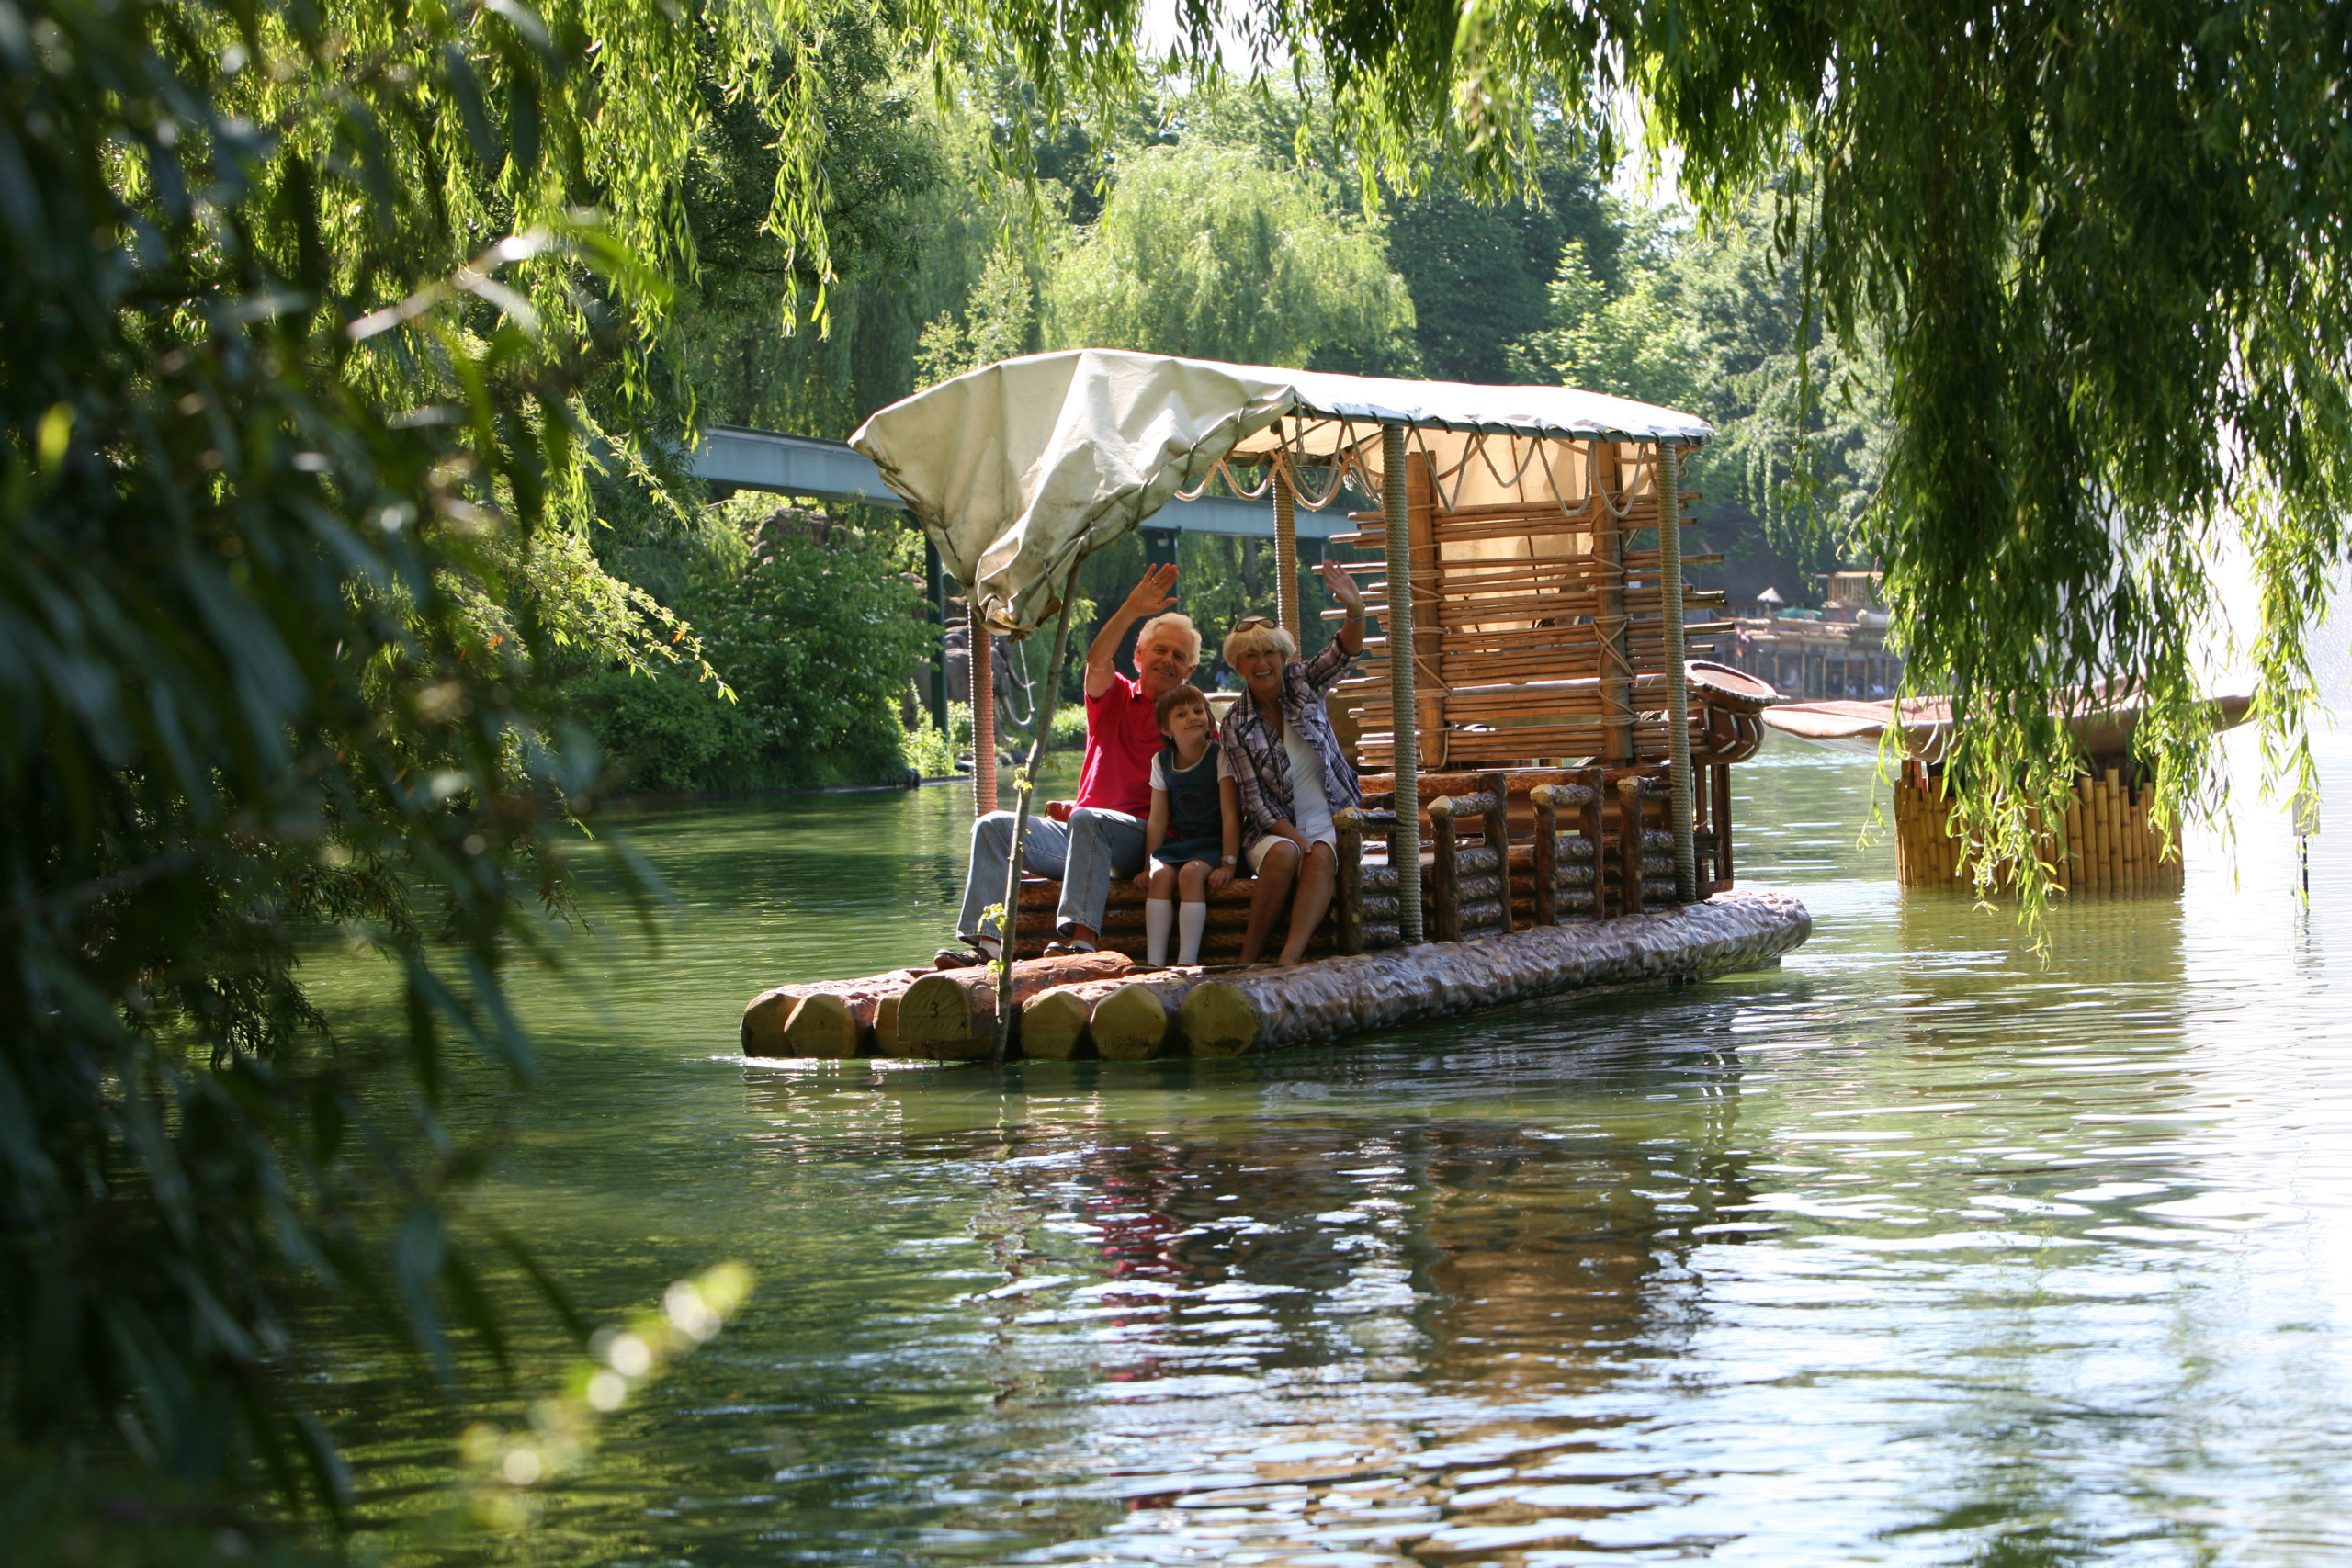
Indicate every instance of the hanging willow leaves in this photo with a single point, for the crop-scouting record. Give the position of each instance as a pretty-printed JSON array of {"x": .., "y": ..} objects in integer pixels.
[
  {"x": 2101, "y": 248},
  {"x": 316, "y": 315}
]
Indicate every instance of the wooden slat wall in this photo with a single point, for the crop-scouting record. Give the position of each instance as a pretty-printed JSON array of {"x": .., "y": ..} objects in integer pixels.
[{"x": 1517, "y": 632}]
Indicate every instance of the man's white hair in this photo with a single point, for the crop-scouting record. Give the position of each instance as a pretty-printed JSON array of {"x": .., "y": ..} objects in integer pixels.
[{"x": 1173, "y": 621}]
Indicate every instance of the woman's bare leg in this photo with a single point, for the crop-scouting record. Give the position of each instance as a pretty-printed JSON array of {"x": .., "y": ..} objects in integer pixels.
[
  {"x": 1320, "y": 875},
  {"x": 1274, "y": 881}
]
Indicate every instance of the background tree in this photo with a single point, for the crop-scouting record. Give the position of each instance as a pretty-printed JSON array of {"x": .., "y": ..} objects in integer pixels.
[
  {"x": 1203, "y": 251},
  {"x": 1709, "y": 318},
  {"x": 1479, "y": 269}
]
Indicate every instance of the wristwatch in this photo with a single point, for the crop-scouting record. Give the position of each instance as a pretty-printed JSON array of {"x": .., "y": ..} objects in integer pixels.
[{"x": 1230, "y": 859}]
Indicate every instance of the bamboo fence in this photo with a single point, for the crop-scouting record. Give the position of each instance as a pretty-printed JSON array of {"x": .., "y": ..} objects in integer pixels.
[{"x": 2107, "y": 842}]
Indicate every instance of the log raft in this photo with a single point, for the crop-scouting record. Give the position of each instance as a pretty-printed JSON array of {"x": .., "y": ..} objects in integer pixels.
[
  {"x": 906, "y": 1012},
  {"x": 1100, "y": 1006},
  {"x": 1511, "y": 853},
  {"x": 1533, "y": 628}
]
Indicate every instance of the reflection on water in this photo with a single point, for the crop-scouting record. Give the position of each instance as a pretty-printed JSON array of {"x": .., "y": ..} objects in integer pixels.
[{"x": 1914, "y": 1250}]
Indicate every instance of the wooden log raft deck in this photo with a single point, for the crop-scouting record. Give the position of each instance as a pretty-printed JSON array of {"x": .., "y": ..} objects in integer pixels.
[
  {"x": 1138, "y": 1013},
  {"x": 1537, "y": 882}
]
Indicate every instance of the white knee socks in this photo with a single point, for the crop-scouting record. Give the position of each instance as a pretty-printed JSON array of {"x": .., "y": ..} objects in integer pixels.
[{"x": 1192, "y": 920}]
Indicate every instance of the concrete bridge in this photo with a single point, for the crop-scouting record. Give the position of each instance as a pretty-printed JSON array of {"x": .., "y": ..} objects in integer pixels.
[{"x": 732, "y": 457}]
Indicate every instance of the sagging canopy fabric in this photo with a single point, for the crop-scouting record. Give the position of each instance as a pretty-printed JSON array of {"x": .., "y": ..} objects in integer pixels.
[{"x": 1020, "y": 470}]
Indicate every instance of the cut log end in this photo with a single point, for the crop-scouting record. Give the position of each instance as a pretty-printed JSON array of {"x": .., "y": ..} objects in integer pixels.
[
  {"x": 1217, "y": 1021},
  {"x": 886, "y": 1027},
  {"x": 763, "y": 1022},
  {"x": 824, "y": 1026},
  {"x": 1130, "y": 1024},
  {"x": 935, "y": 1018},
  {"x": 1054, "y": 1026}
]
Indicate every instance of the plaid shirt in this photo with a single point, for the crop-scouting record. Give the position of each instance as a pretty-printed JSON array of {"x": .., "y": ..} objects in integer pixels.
[{"x": 1264, "y": 781}]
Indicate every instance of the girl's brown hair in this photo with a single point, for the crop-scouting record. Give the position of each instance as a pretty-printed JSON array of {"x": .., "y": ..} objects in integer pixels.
[{"x": 1173, "y": 698}]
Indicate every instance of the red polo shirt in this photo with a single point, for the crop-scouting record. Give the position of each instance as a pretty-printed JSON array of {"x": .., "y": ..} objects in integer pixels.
[{"x": 1122, "y": 738}]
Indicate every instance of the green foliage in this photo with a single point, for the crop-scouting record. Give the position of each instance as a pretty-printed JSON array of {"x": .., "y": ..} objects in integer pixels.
[
  {"x": 818, "y": 635},
  {"x": 1709, "y": 320},
  {"x": 932, "y": 754},
  {"x": 1478, "y": 270},
  {"x": 784, "y": 334},
  {"x": 998, "y": 321},
  {"x": 311, "y": 325},
  {"x": 657, "y": 731},
  {"x": 817, "y": 632},
  {"x": 60, "y": 1512},
  {"x": 1634, "y": 343},
  {"x": 1800, "y": 415},
  {"x": 1204, "y": 250}
]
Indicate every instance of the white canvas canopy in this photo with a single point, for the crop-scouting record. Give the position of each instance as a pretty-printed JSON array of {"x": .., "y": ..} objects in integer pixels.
[{"x": 1020, "y": 470}]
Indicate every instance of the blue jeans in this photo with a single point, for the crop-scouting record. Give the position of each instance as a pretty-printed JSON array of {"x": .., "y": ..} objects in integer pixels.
[{"x": 1086, "y": 852}]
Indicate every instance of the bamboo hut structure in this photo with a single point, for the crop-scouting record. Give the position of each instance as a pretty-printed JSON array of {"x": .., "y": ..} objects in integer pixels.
[
  {"x": 1540, "y": 754},
  {"x": 2107, "y": 842}
]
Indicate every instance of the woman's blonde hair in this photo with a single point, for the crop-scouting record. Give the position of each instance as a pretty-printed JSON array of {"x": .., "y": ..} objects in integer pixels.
[{"x": 1255, "y": 634}]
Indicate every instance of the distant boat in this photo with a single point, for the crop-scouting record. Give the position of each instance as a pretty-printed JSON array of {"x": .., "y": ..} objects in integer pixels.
[
  {"x": 2107, "y": 840},
  {"x": 2101, "y": 728}
]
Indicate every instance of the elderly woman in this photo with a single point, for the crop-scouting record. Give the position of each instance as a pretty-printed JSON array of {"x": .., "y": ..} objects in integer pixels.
[{"x": 1288, "y": 764}]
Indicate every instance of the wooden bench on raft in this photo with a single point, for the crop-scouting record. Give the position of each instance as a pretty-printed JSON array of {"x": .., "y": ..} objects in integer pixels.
[{"x": 1562, "y": 831}]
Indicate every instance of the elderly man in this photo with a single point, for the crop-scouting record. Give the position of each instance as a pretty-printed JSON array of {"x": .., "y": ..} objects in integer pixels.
[{"x": 1101, "y": 835}]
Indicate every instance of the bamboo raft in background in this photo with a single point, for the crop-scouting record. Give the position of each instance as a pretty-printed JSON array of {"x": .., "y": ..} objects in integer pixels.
[{"x": 2108, "y": 841}]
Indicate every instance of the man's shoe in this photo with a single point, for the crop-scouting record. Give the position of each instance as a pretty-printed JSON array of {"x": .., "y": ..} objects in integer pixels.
[
  {"x": 970, "y": 957},
  {"x": 1068, "y": 948}
]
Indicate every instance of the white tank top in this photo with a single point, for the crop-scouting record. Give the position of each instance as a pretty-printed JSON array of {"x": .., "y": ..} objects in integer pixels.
[{"x": 1310, "y": 809}]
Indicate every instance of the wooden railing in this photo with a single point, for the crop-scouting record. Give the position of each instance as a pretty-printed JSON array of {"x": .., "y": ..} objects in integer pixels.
[{"x": 1501, "y": 849}]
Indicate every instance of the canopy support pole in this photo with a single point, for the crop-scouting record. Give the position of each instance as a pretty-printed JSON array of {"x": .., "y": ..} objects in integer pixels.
[
  {"x": 1616, "y": 656},
  {"x": 1286, "y": 558},
  {"x": 1406, "y": 852},
  {"x": 1008, "y": 928},
  {"x": 1677, "y": 669},
  {"x": 981, "y": 645}
]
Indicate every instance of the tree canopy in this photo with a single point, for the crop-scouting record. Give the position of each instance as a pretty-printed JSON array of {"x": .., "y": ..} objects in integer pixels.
[
  {"x": 1712, "y": 319},
  {"x": 1205, "y": 252},
  {"x": 2100, "y": 249},
  {"x": 319, "y": 320}
]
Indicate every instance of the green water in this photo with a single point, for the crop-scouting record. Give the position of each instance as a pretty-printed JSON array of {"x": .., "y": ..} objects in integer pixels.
[{"x": 1912, "y": 1250}]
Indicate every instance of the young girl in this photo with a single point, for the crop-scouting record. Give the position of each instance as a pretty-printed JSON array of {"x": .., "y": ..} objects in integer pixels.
[{"x": 1194, "y": 839}]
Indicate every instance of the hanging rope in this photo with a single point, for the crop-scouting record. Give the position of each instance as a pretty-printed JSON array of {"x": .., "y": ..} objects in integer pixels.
[
  {"x": 1016, "y": 668},
  {"x": 1405, "y": 712},
  {"x": 1286, "y": 558},
  {"x": 983, "y": 709},
  {"x": 1668, "y": 477}
]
